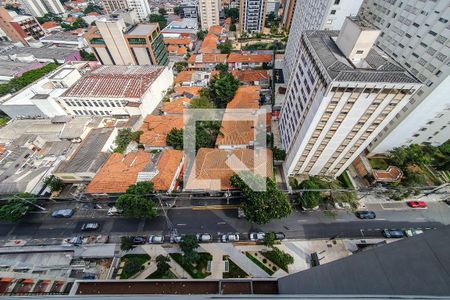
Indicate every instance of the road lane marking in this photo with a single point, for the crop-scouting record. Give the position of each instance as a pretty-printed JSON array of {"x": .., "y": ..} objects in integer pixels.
[
  {"x": 181, "y": 224},
  {"x": 215, "y": 207},
  {"x": 221, "y": 223}
]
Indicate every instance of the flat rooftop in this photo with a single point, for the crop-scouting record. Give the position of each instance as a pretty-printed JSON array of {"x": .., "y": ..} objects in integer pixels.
[
  {"x": 60, "y": 36},
  {"x": 143, "y": 29},
  {"x": 40, "y": 53},
  {"x": 11, "y": 68}
]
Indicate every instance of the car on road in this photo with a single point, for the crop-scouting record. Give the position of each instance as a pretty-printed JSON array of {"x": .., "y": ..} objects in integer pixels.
[
  {"x": 138, "y": 240},
  {"x": 114, "y": 211},
  {"x": 365, "y": 214},
  {"x": 90, "y": 226},
  {"x": 204, "y": 237},
  {"x": 156, "y": 239},
  {"x": 279, "y": 236},
  {"x": 257, "y": 236},
  {"x": 63, "y": 213},
  {"x": 393, "y": 233},
  {"x": 229, "y": 238},
  {"x": 417, "y": 204},
  {"x": 413, "y": 232}
]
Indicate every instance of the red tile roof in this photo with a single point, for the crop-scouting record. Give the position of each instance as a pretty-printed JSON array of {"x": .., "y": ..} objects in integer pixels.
[
  {"x": 193, "y": 90},
  {"x": 176, "y": 106},
  {"x": 207, "y": 58},
  {"x": 115, "y": 82},
  {"x": 178, "y": 41},
  {"x": 250, "y": 75},
  {"x": 181, "y": 51},
  {"x": 209, "y": 44},
  {"x": 216, "y": 29},
  {"x": 156, "y": 128},
  {"x": 211, "y": 166},
  {"x": 184, "y": 76},
  {"x": 245, "y": 97},
  {"x": 49, "y": 25},
  {"x": 254, "y": 58},
  {"x": 168, "y": 165}
]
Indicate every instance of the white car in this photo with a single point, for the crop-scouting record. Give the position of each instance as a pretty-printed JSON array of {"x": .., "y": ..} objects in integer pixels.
[
  {"x": 413, "y": 232},
  {"x": 229, "y": 238},
  {"x": 204, "y": 237},
  {"x": 155, "y": 239},
  {"x": 114, "y": 211},
  {"x": 257, "y": 236}
]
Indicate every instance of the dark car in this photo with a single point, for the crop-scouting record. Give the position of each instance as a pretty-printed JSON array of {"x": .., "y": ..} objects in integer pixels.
[
  {"x": 393, "y": 233},
  {"x": 365, "y": 214},
  {"x": 63, "y": 213},
  {"x": 139, "y": 240}
]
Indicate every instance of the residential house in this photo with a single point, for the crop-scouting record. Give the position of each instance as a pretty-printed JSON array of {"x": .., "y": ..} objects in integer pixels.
[
  {"x": 156, "y": 128},
  {"x": 175, "y": 107},
  {"x": 253, "y": 77},
  {"x": 248, "y": 60},
  {"x": 209, "y": 44},
  {"x": 207, "y": 61},
  {"x": 188, "y": 91},
  {"x": 192, "y": 78}
]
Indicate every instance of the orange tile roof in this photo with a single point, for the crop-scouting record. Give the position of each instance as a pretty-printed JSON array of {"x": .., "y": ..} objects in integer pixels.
[
  {"x": 77, "y": 31},
  {"x": 172, "y": 48},
  {"x": 184, "y": 76},
  {"x": 70, "y": 19},
  {"x": 255, "y": 58},
  {"x": 245, "y": 97},
  {"x": 93, "y": 13},
  {"x": 250, "y": 75},
  {"x": 235, "y": 132},
  {"x": 211, "y": 166},
  {"x": 391, "y": 174},
  {"x": 168, "y": 165},
  {"x": 156, "y": 128},
  {"x": 49, "y": 24},
  {"x": 181, "y": 51},
  {"x": 207, "y": 58},
  {"x": 178, "y": 41},
  {"x": 120, "y": 171},
  {"x": 216, "y": 29},
  {"x": 193, "y": 90},
  {"x": 176, "y": 106},
  {"x": 209, "y": 44}
]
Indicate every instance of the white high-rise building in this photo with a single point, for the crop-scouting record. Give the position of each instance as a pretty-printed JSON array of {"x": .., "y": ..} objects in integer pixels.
[
  {"x": 342, "y": 93},
  {"x": 35, "y": 8},
  {"x": 113, "y": 5},
  {"x": 316, "y": 15},
  {"x": 54, "y": 6},
  {"x": 417, "y": 34},
  {"x": 209, "y": 13},
  {"x": 141, "y": 7},
  {"x": 252, "y": 15}
]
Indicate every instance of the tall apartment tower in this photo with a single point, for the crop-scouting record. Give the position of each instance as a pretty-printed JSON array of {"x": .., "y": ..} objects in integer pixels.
[
  {"x": 19, "y": 28},
  {"x": 115, "y": 43},
  {"x": 288, "y": 13},
  {"x": 252, "y": 15},
  {"x": 417, "y": 34},
  {"x": 342, "y": 93},
  {"x": 141, "y": 7},
  {"x": 35, "y": 8},
  {"x": 316, "y": 15},
  {"x": 54, "y": 6},
  {"x": 209, "y": 13}
]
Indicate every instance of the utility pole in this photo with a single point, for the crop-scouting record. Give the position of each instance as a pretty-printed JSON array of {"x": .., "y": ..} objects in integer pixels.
[
  {"x": 172, "y": 230},
  {"x": 29, "y": 202}
]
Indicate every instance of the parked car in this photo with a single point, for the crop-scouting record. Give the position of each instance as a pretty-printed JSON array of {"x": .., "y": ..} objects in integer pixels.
[
  {"x": 230, "y": 237},
  {"x": 241, "y": 213},
  {"x": 413, "y": 232},
  {"x": 90, "y": 226},
  {"x": 156, "y": 239},
  {"x": 417, "y": 204},
  {"x": 204, "y": 237},
  {"x": 365, "y": 214},
  {"x": 279, "y": 236},
  {"x": 88, "y": 206},
  {"x": 176, "y": 239},
  {"x": 114, "y": 211},
  {"x": 138, "y": 240},
  {"x": 393, "y": 233},
  {"x": 63, "y": 213},
  {"x": 257, "y": 236}
]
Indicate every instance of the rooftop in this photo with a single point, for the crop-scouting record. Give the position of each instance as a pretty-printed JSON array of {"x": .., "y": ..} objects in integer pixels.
[
  {"x": 209, "y": 44},
  {"x": 176, "y": 106},
  {"x": 156, "y": 128},
  {"x": 40, "y": 53},
  {"x": 115, "y": 82},
  {"x": 186, "y": 25},
  {"x": 178, "y": 41},
  {"x": 143, "y": 29},
  {"x": 250, "y": 75},
  {"x": 188, "y": 91},
  {"x": 339, "y": 68},
  {"x": 207, "y": 58},
  {"x": 245, "y": 97},
  {"x": 212, "y": 172},
  {"x": 89, "y": 156},
  {"x": 13, "y": 68},
  {"x": 216, "y": 29},
  {"x": 61, "y": 36},
  {"x": 249, "y": 58}
]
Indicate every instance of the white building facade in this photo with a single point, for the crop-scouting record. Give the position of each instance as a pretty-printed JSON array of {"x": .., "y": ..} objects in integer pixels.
[
  {"x": 417, "y": 34},
  {"x": 253, "y": 14},
  {"x": 316, "y": 15},
  {"x": 35, "y": 8},
  {"x": 341, "y": 94},
  {"x": 209, "y": 13},
  {"x": 54, "y": 6},
  {"x": 141, "y": 7}
]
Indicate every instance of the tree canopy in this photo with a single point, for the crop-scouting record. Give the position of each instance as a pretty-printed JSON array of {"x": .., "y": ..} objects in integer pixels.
[
  {"x": 222, "y": 67},
  {"x": 124, "y": 137},
  {"x": 225, "y": 48},
  {"x": 162, "y": 11},
  {"x": 201, "y": 34},
  {"x": 175, "y": 138},
  {"x": 309, "y": 199},
  {"x": 232, "y": 13},
  {"x": 264, "y": 206},
  {"x": 87, "y": 56},
  {"x": 188, "y": 245},
  {"x": 17, "y": 207},
  {"x": 201, "y": 102},
  {"x": 136, "y": 203},
  {"x": 54, "y": 183},
  {"x": 177, "y": 10},
  {"x": 158, "y": 18},
  {"x": 222, "y": 88}
]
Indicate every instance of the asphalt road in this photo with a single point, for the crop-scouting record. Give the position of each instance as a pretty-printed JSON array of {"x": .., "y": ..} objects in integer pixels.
[{"x": 299, "y": 225}]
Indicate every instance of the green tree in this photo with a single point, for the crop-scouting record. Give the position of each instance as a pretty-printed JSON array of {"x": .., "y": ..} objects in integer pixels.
[
  {"x": 232, "y": 13},
  {"x": 162, "y": 264},
  {"x": 221, "y": 89},
  {"x": 132, "y": 267},
  {"x": 201, "y": 102},
  {"x": 124, "y": 137},
  {"x": 201, "y": 34},
  {"x": 180, "y": 66},
  {"x": 175, "y": 138},
  {"x": 188, "y": 245},
  {"x": 409, "y": 155},
  {"x": 278, "y": 154},
  {"x": 232, "y": 27},
  {"x": 136, "y": 206},
  {"x": 222, "y": 67},
  {"x": 309, "y": 199},
  {"x": 225, "y": 48},
  {"x": 92, "y": 8},
  {"x": 206, "y": 133},
  {"x": 143, "y": 188},
  {"x": 269, "y": 239},
  {"x": 162, "y": 11},
  {"x": 160, "y": 19},
  {"x": 126, "y": 244},
  {"x": 17, "y": 207},
  {"x": 54, "y": 183},
  {"x": 177, "y": 10},
  {"x": 87, "y": 56},
  {"x": 261, "y": 206}
]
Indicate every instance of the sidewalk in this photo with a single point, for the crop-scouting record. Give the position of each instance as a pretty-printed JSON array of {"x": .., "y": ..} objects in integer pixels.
[{"x": 155, "y": 250}]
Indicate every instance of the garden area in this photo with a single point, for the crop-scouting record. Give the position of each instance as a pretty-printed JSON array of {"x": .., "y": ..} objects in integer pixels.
[
  {"x": 196, "y": 269},
  {"x": 261, "y": 262},
  {"x": 162, "y": 269},
  {"x": 233, "y": 270},
  {"x": 131, "y": 264},
  {"x": 280, "y": 258}
]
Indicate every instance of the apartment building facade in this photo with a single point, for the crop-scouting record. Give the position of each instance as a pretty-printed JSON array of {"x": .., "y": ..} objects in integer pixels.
[
  {"x": 141, "y": 7},
  {"x": 19, "y": 28},
  {"x": 342, "y": 93},
  {"x": 252, "y": 15},
  {"x": 113, "y": 5},
  {"x": 115, "y": 43},
  {"x": 316, "y": 15},
  {"x": 39, "y": 8},
  {"x": 416, "y": 33},
  {"x": 209, "y": 13},
  {"x": 288, "y": 13},
  {"x": 54, "y": 6}
]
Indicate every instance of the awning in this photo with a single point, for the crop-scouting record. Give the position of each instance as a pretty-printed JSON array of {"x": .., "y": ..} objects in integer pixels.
[
  {"x": 27, "y": 281},
  {"x": 46, "y": 281},
  {"x": 6, "y": 279}
]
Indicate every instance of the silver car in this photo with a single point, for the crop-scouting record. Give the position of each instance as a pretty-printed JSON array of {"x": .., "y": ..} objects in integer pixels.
[
  {"x": 155, "y": 239},
  {"x": 204, "y": 237},
  {"x": 229, "y": 238},
  {"x": 257, "y": 236}
]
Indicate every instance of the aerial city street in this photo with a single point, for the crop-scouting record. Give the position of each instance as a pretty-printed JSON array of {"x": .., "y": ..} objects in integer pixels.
[{"x": 224, "y": 147}]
